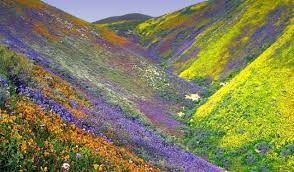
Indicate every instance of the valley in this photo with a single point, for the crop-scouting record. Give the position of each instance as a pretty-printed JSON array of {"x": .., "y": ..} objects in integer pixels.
[{"x": 205, "y": 88}]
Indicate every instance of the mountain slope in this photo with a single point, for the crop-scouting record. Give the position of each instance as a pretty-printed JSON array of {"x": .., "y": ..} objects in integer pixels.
[
  {"x": 131, "y": 101},
  {"x": 248, "y": 124},
  {"x": 214, "y": 40}
]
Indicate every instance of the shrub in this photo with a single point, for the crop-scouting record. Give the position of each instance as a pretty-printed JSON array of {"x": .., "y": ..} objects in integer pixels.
[
  {"x": 288, "y": 150},
  {"x": 250, "y": 159},
  {"x": 14, "y": 66},
  {"x": 263, "y": 147}
]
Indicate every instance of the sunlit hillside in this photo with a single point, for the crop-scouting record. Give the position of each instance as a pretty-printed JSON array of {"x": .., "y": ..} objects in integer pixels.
[
  {"x": 253, "y": 114},
  {"x": 214, "y": 39}
]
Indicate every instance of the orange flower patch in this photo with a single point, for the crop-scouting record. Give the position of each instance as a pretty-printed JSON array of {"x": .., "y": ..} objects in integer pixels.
[
  {"x": 43, "y": 30},
  {"x": 53, "y": 85},
  {"x": 112, "y": 155},
  {"x": 112, "y": 37}
]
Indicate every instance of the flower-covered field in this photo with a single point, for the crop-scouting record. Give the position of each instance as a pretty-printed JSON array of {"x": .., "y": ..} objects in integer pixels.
[
  {"x": 90, "y": 79},
  {"x": 45, "y": 122},
  {"x": 78, "y": 96},
  {"x": 40, "y": 131}
]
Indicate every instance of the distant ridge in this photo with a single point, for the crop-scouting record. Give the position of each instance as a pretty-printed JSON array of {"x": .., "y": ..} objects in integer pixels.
[
  {"x": 124, "y": 25},
  {"x": 129, "y": 17}
]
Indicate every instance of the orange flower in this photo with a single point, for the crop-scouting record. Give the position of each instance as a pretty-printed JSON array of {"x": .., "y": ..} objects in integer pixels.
[
  {"x": 46, "y": 154},
  {"x": 23, "y": 147}
]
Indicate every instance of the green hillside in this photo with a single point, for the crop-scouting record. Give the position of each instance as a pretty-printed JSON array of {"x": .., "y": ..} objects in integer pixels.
[{"x": 248, "y": 124}]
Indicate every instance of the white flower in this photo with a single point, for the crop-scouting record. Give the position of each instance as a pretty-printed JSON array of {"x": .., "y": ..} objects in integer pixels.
[
  {"x": 193, "y": 97},
  {"x": 222, "y": 84},
  {"x": 180, "y": 114},
  {"x": 65, "y": 166}
]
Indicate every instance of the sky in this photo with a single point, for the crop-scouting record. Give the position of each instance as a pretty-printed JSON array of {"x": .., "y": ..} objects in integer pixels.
[{"x": 93, "y": 10}]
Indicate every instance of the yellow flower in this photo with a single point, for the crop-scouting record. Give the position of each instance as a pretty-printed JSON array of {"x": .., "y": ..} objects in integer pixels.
[
  {"x": 17, "y": 136},
  {"x": 96, "y": 166},
  {"x": 66, "y": 157},
  {"x": 7, "y": 118}
]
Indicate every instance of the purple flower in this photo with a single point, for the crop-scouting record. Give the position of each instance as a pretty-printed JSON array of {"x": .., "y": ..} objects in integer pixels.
[
  {"x": 3, "y": 82},
  {"x": 78, "y": 155},
  {"x": 73, "y": 104}
]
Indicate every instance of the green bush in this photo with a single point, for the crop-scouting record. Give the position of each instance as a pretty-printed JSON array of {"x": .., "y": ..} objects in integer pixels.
[
  {"x": 14, "y": 66},
  {"x": 288, "y": 150}
]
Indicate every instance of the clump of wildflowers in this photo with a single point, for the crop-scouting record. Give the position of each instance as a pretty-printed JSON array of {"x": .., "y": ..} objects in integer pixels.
[{"x": 193, "y": 97}]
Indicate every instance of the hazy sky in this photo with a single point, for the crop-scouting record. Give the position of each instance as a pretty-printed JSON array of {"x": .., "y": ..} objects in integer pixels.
[{"x": 93, "y": 10}]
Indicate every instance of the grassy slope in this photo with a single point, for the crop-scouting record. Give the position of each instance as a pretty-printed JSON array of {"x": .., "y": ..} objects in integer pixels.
[
  {"x": 215, "y": 39},
  {"x": 253, "y": 114}
]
